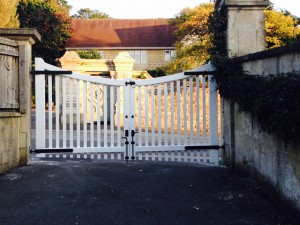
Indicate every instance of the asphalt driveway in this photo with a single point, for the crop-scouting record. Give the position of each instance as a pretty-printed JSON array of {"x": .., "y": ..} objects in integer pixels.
[{"x": 139, "y": 193}]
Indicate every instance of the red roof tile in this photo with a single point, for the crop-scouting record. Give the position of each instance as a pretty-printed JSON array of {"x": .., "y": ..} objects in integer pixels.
[{"x": 121, "y": 33}]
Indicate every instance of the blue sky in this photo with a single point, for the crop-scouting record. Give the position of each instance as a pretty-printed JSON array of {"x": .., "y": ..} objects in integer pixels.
[{"x": 139, "y": 9}]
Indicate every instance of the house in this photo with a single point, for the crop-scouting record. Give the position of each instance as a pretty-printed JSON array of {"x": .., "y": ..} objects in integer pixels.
[{"x": 149, "y": 41}]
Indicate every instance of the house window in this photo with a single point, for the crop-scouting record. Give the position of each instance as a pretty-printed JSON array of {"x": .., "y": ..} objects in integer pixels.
[
  {"x": 139, "y": 56},
  {"x": 169, "y": 55},
  {"x": 101, "y": 54}
]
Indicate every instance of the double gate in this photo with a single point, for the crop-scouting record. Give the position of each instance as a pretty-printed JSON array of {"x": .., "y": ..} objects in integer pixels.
[{"x": 172, "y": 118}]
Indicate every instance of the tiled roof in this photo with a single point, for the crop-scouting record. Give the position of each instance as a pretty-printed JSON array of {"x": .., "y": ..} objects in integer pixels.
[{"x": 121, "y": 33}]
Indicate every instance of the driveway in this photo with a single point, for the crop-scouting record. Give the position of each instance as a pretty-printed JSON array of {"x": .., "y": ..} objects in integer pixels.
[{"x": 135, "y": 193}]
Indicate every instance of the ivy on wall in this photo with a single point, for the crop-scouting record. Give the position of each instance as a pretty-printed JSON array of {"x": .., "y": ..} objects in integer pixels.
[{"x": 274, "y": 100}]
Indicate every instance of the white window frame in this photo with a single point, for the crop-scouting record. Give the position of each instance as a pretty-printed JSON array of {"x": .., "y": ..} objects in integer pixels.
[
  {"x": 170, "y": 54},
  {"x": 140, "y": 56}
]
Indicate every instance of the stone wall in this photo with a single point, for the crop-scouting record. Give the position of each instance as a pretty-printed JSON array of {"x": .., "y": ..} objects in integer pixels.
[
  {"x": 260, "y": 152},
  {"x": 246, "y": 146},
  {"x": 15, "y": 103},
  {"x": 9, "y": 140}
]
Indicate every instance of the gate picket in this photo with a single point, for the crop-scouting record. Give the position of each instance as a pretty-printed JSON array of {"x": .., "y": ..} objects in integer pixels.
[{"x": 167, "y": 113}]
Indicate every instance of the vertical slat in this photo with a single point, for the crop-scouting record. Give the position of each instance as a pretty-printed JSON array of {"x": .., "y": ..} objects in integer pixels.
[
  {"x": 92, "y": 114},
  {"x": 57, "y": 111},
  {"x": 119, "y": 116},
  {"x": 140, "y": 115},
  {"x": 159, "y": 114},
  {"x": 105, "y": 114},
  {"x": 84, "y": 114},
  {"x": 112, "y": 129},
  {"x": 71, "y": 112},
  {"x": 204, "y": 108},
  {"x": 204, "y": 156},
  {"x": 50, "y": 110},
  {"x": 40, "y": 105},
  {"x": 166, "y": 113},
  {"x": 146, "y": 116},
  {"x": 172, "y": 156},
  {"x": 64, "y": 113},
  {"x": 192, "y": 156},
  {"x": 172, "y": 112},
  {"x": 178, "y": 93},
  {"x": 191, "y": 111},
  {"x": 98, "y": 117},
  {"x": 159, "y": 156},
  {"x": 197, "y": 111},
  {"x": 198, "y": 156},
  {"x": 78, "y": 112},
  {"x": 152, "y": 116},
  {"x": 184, "y": 112}
]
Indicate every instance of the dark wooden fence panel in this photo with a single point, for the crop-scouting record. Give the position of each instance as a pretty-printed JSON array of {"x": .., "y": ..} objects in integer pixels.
[{"x": 9, "y": 78}]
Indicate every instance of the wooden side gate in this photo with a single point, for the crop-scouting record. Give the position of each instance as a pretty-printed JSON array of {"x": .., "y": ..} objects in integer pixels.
[{"x": 172, "y": 118}]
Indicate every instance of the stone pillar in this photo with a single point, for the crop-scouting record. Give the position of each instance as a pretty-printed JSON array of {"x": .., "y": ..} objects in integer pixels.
[
  {"x": 25, "y": 39},
  {"x": 245, "y": 34},
  {"x": 245, "y": 26},
  {"x": 123, "y": 65}
]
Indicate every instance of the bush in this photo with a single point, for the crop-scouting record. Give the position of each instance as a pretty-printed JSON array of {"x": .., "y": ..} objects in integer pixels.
[{"x": 93, "y": 54}]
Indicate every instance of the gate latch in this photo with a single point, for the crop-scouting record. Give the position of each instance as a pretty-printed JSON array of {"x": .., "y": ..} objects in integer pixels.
[{"x": 132, "y": 83}]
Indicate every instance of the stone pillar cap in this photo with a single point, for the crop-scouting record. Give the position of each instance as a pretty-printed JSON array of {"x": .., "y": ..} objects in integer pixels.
[
  {"x": 124, "y": 57},
  {"x": 245, "y": 3},
  {"x": 21, "y": 34}
]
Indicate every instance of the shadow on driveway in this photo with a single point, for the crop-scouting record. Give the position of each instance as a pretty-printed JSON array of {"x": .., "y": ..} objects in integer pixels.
[{"x": 139, "y": 193}]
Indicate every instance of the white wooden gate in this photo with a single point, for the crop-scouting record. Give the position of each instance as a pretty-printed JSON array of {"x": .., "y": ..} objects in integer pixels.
[{"x": 172, "y": 118}]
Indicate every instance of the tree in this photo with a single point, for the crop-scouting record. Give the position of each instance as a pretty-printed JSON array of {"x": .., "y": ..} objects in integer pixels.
[
  {"x": 8, "y": 15},
  {"x": 280, "y": 28},
  {"x": 193, "y": 38},
  {"x": 53, "y": 23},
  {"x": 87, "y": 13}
]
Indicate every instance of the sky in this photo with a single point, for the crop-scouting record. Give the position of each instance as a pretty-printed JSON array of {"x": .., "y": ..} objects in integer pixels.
[{"x": 141, "y": 9}]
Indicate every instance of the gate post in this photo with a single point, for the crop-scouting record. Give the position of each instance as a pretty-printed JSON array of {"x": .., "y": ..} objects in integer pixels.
[
  {"x": 25, "y": 38},
  {"x": 245, "y": 34},
  {"x": 40, "y": 105},
  {"x": 129, "y": 115},
  {"x": 213, "y": 119}
]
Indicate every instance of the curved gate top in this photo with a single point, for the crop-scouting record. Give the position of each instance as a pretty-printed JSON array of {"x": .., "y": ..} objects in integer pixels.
[{"x": 172, "y": 118}]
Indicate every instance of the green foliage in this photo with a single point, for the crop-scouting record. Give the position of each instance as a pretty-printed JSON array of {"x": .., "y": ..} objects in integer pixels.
[
  {"x": 158, "y": 72},
  {"x": 201, "y": 31},
  {"x": 193, "y": 38},
  {"x": 8, "y": 15},
  {"x": 280, "y": 28},
  {"x": 53, "y": 23},
  {"x": 92, "y": 54},
  {"x": 274, "y": 100},
  {"x": 142, "y": 75},
  {"x": 87, "y": 13}
]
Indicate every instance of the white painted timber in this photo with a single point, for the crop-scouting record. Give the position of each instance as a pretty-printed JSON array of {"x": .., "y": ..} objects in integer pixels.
[{"x": 93, "y": 113}]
